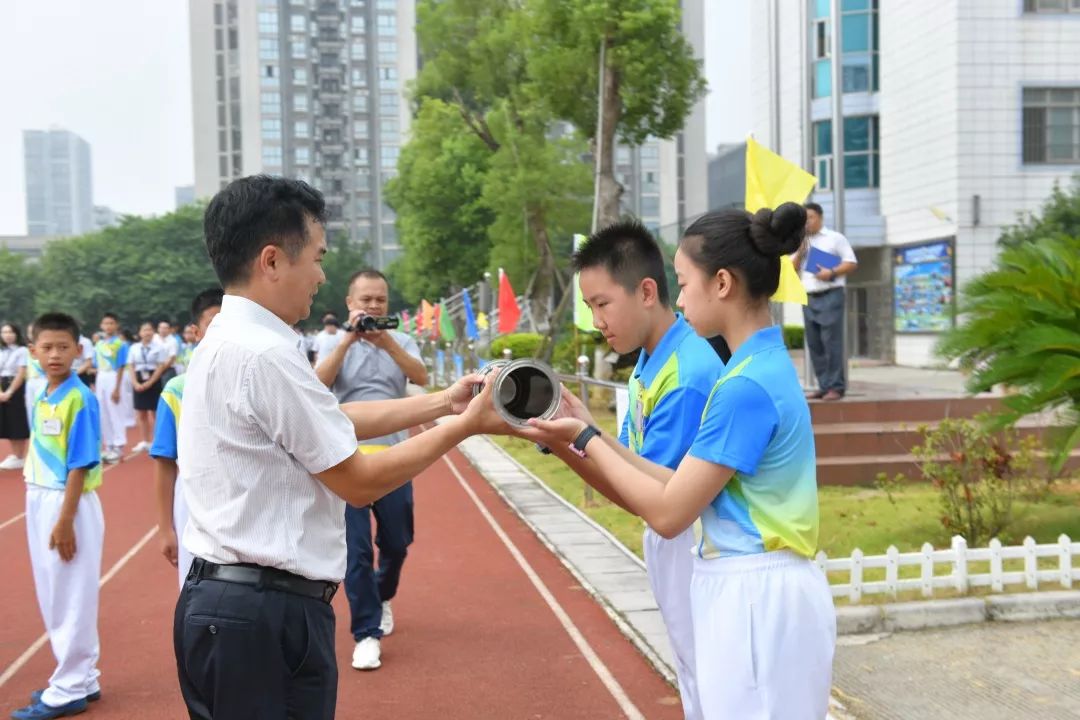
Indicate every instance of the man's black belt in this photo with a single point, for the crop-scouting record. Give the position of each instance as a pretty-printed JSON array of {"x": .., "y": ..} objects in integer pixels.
[
  {"x": 263, "y": 577},
  {"x": 824, "y": 292}
]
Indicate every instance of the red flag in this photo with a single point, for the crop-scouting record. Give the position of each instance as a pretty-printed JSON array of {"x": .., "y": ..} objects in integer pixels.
[
  {"x": 509, "y": 312},
  {"x": 435, "y": 321}
]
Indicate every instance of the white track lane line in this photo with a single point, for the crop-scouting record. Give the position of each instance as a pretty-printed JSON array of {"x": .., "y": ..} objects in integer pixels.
[
  {"x": 625, "y": 704},
  {"x": 14, "y": 667}
]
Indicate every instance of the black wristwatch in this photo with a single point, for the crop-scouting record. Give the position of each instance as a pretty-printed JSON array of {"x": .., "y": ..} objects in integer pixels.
[{"x": 583, "y": 438}]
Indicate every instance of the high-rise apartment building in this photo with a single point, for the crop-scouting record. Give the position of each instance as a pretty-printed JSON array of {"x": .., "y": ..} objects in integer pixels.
[
  {"x": 312, "y": 89},
  {"x": 958, "y": 115},
  {"x": 59, "y": 190}
]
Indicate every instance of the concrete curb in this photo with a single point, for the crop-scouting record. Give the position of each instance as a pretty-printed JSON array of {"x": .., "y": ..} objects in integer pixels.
[{"x": 925, "y": 614}]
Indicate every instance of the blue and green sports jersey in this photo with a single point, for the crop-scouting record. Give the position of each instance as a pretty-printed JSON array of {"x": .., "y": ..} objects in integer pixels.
[
  {"x": 167, "y": 419},
  {"x": 757, "y": 422},
  {"x": 668, "y": 390},
  {"x": 110, "y": 354},
  {"x": 77, "y": 445},
  {"x": 34, "y": 369}
]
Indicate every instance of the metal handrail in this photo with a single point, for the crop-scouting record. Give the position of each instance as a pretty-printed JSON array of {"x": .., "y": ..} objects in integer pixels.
[{"x": 580, "y": 379}]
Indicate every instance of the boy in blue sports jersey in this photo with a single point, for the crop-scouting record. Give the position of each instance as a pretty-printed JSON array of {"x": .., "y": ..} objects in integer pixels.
[
  {"x": 623, "y": 281},
  {"x": 65, "y": 527},
  {"x": 172, "y": 511},
  {"x": 110, "y": 357}
]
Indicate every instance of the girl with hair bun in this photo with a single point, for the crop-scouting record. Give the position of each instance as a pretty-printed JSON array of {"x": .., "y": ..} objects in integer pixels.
[{"x": 764, "y": 622}]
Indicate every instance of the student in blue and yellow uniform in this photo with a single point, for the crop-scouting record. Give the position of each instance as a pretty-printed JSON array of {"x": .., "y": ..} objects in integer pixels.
[
  {"x": 110, "y": 357},
  {"x": 764, "y": 622},
  {"x": 172, "y": 511},
  {"x": 623, "y": 281},
  {"x": 64, "y": 523}
]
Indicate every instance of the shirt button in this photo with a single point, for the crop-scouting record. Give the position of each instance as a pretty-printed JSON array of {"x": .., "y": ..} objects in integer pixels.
[{"x": 213, "y": 629}]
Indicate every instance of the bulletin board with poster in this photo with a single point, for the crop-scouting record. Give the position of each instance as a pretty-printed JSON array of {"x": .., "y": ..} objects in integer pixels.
[{"x": 924, "y": 280}]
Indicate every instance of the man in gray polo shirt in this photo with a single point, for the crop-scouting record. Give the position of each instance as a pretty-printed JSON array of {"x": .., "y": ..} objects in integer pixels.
[{"x": 373, "y": 366}]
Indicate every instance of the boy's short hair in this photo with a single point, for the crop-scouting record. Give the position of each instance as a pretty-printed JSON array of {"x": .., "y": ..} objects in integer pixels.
[
  {"x": 58, "y": 321},
  {"x": 628, "y": 251},
  {"x": 252, "y": 212},
  {"x": 208, "y": 298},
  {"x": 110, "y": 316}
]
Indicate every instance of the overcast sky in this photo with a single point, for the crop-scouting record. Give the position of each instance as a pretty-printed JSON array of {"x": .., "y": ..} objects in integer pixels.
[{"x": 116, "y": 72}]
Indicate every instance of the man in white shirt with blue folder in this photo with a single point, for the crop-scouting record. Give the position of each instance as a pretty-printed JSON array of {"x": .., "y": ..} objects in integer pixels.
[{"x": 825, "y": 258}]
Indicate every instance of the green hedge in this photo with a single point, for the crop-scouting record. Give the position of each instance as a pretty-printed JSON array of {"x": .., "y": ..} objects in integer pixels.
[
  {"x": 793, "y": 337},
  {"x": 522, "y": 345}
]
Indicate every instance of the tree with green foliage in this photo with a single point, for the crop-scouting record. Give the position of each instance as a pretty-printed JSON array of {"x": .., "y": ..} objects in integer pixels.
[
  {"x": 651, "y": 79},
  {"x": 18, "y": 283},
  {"x": 342, "y": 259},
  {"x": 1021, "y": 328},
  {"x": 443, "y": 221},
  {"x": 1059, "y": 217}
]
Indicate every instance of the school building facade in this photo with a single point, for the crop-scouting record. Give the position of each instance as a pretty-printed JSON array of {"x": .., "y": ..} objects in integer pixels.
[{"x": 958, "y": 116}]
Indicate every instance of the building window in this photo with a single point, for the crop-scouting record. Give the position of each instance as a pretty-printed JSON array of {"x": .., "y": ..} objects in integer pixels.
[
  {"x": 859, "y": 38},
  {"x": 269, "y": 78},
  {"x": 822, "y": 39},
  {"x": 360, "y": 155},
  {"x": 363, "y": 207},
  {"x": 388, "y": 155},
  {"x": 271, "y": 102},
  {"x": 390, "y": 130},
  {"x": 650, "y": 156},
  {"x": 299, "y": 76},
  {"x": 1051, "y": 132},
  {"x": 302, "y": 155},
  {"x": 268, "y": 49},
  {"x": 649, "y": 182},
  {"x": 271, "y": 155},
  {"x": 358, "y": 24},
  {"x": 301, "y": 129},
  {"x": 363, "y": 180},
  {"x": 360, "y": 101},
  {"x": 387, "y": 51},
  {"x": 650, "y": 206},
  {"x": 298, "y": 23},
  {"x": 298, "y": 48},
  {"x": 359, "y": 50},
  {"x": 358, "y": 76},
  {"x": 388, "y": 104},
  {"x": 1052, "y": 6},
  {"x": 360, "y": 130},
  {"x": 387, "y": 5},
  {"x": 387, "y": 24},
  {"x": 300, "y": 102},
  {"x": 388, "y": 77},
  {"x": 268, "y": 21},
  {"x": 861, "y": 161},
  {"x": 271, "y": 128}
]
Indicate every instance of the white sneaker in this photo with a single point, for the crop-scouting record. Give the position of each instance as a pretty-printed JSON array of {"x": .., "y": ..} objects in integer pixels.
[
  {"x": 140, "y": 447},
  {"x": 367, "y": 654},
  {"x": 12, "y": 463},
  {"x": 387, "y": 622},
  {"x": 110, "y": 456}
]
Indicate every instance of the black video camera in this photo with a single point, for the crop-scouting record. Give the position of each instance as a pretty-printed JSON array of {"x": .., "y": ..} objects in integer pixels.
[{"x": 370, "y": 323}]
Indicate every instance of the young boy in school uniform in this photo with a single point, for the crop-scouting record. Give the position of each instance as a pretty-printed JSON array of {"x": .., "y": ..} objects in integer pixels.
[
  {"x": 624, "y": 282},
  {"x": 172, "y": 510},
  {"x": 109, "y": 358},
  {"x": 65, "y": 526}
]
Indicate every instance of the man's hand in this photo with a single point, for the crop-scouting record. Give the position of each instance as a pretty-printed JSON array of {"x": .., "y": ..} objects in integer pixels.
[
  {"x": 4, "y": 397},
  {"x": 825, "y": 275},
  {"x": 552, "y": 433},
  {"x": 62, "y": 539},
  {"x": 481, "y": 417},
  {"x": 379, "y": 338},
  {"x": 459, "y": 395},
  {"x": 169, "y": 544}
]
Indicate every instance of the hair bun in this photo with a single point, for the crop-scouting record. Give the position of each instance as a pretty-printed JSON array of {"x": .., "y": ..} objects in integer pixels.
[{"x": 780, "y": 231}]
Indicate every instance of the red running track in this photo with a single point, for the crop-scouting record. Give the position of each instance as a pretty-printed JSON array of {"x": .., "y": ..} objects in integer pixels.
[{"x": 474, "y": 638}]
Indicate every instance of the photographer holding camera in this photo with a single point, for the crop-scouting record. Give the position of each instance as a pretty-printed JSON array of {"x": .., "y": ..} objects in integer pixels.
[{"x": 373, "y": 365}]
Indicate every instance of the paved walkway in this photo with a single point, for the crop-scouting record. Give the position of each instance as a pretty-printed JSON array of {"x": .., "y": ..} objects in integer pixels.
[{"x": 992, "y": 671}]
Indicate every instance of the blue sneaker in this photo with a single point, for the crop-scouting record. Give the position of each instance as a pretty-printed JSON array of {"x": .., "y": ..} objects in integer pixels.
[
  {"x": 41, "y": 711},
  {"x": 35, "y": 697}
]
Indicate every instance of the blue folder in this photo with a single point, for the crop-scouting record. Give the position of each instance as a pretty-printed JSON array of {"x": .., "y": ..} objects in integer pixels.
[{"x": 817, "y": 260}]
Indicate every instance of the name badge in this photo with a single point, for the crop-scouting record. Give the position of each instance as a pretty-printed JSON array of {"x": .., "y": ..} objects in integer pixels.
[
  {"x": 639, "y": 416},
  {"x": 51, "y": 427}
]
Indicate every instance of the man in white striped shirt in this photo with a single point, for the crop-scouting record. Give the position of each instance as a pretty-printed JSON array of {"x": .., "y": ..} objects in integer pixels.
[{"x": 269, "y": 459}]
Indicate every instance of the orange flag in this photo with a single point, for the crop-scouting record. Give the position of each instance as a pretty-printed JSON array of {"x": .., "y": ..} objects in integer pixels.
[
  {"x": 509, "y": 312},
  {"x": 427, "y": 314}
]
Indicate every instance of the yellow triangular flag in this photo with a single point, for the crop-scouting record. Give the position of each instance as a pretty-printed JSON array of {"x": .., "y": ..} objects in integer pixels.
[{"x": 771, "y": 181}]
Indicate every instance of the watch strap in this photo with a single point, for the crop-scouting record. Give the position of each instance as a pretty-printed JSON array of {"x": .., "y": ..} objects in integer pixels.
[{"x": 583, "y": 438}]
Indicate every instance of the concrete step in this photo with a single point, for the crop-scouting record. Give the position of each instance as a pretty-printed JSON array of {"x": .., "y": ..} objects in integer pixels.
[
  {"x": 875, "y": 438},
  {"x": 863, "y": 469},
  {"x": 910, "y": 410}
]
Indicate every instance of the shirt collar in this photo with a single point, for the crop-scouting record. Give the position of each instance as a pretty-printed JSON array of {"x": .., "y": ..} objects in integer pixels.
[
  {"x": 60, "y": 392},
  {"x": 234, "y": 307},
  {"x": 648, "y": 365},
  {"x": 768, "y": 338}
]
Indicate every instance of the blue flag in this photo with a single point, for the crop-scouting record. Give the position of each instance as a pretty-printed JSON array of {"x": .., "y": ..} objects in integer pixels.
[{"x": 471, "y": 331}]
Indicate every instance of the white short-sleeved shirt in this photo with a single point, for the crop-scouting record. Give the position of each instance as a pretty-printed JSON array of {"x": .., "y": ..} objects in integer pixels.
[
  {"x": 369, "y": 373},
  {"x": 325, "y": 343},
  {"x": 168, "y": 345},
  {"x": 86, "y": 352},
  {"x": 834, "y": 243},
  {"x": 12, "y": 358},
  {"x": 258, "y": 425},
  {"x": 146, "y": 358}
]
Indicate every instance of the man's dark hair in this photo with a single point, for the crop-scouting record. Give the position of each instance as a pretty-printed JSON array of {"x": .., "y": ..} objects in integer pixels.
[
  {"x": 253, "y": 212},
  {"x": 628, "y": 251},
  {"x": 208, "y": 298},
  {"x": 111, "y": 315},
  {"x": 370, "y": 273},
  {"x": 59, "y": 321},
  {"x": 815, "y": 207}
]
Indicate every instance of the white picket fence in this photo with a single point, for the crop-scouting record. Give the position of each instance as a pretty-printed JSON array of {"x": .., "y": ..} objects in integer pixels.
[{"x": 960, "y": 578}]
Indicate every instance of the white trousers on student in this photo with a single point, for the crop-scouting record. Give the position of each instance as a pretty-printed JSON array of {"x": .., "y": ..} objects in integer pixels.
[
  {"x": 67, "y": 592},
  {"x": 764, "y": 634},
  {"x": 127, "y": 400},
  {"x": 670, "y": 565},
  {"x": 113, "y": 418},
  {"x": 184, "y": 557}
]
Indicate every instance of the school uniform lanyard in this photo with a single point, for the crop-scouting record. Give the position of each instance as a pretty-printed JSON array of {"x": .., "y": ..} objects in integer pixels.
[{"x": 145, "y": 362}]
